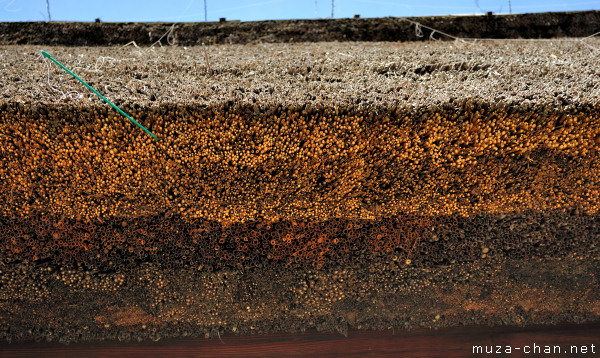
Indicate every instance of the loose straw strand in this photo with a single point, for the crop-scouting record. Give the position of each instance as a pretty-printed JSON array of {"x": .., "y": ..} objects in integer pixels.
[{"x": 46, "y": 54}]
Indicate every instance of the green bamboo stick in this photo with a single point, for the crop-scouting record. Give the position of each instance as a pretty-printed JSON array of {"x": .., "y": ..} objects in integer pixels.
[{"x": 46, "y": 54}]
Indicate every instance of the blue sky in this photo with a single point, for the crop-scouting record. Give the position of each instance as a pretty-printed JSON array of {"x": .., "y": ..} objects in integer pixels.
[{"x": 252, "y": 10}]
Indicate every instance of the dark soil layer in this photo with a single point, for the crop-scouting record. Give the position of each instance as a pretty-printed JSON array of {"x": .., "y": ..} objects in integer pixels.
[
  {"x": 176, "y": 242},
  {"x": 532, "y": 26},
  {"x": 152, "y": 301}
]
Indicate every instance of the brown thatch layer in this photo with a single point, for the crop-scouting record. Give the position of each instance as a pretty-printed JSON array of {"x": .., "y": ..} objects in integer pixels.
[
  {"x": 363, "y": 76},
  {"x": 299, "y": 186}
]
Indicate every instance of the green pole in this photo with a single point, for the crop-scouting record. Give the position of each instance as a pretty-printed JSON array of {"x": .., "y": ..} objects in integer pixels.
[{"x": 46, "y": 54}]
